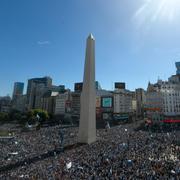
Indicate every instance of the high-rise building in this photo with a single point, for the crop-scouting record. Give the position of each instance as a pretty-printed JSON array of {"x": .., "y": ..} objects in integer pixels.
[
  {"x": 48, "y": 101},
  {"x": 123, "y": 104},
  {"x": 178, "y": 68},
  {"x": 63, "y": 103},
  {"x": 60, "y": 88},
  {"x": 18, "y": 89},
  {"x": 122, "y": 101},
  {"x": 170, "y": 93},
  {"x": 35, "y": 90},
  {"x": 154, "y": 103},
  {"x": 163, "y": 98},
  {"x": 98, "y": 86},
  {"x": 140, "y": 100}
]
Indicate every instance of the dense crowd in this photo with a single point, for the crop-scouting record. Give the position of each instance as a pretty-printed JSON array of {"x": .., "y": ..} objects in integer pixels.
[
  {"x": 119, "y": 153},
  {"x": 25, "y": 145}
]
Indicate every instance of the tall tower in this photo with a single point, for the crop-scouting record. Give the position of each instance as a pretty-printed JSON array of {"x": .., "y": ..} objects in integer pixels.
[
  {"x": 87, "y": 127},
  {"x": 18, "y": 89},
  {"x": 35, "y": 89}
]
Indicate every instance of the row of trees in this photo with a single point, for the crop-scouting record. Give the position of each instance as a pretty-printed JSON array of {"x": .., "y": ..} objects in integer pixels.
[{"x": 24, "y": 117}]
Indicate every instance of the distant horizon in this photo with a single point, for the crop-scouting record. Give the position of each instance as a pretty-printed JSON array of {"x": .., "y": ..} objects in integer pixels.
[
  {"x": 135, "y": 42},
  {"x": 72, "y": 88}
]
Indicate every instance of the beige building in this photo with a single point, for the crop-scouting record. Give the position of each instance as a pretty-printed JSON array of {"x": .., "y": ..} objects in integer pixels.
[
  {"x": 48, "y": 101},
  {"x": 134, "y": 105},
  {"x": 63, "y": 103}
]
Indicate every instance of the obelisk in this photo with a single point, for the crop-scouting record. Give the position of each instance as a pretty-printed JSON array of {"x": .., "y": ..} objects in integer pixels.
[{"x": 87, "y": 125}]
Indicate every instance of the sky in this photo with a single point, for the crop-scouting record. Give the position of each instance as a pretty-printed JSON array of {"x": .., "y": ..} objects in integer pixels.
[{"x": 136, "y": 41}]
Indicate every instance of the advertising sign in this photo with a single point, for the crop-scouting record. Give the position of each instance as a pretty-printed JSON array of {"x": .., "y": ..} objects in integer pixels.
[
  {"x": 107, "y": 102},
  {"x": 98, "y": 102},
  {"x": 120, "y": 85},
  {"x": 121, "y": 116},
  {"x": 78, "y": 86}
]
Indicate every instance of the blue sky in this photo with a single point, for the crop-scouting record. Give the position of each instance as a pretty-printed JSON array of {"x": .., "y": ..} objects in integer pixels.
[{"x": 136, "y": 41}]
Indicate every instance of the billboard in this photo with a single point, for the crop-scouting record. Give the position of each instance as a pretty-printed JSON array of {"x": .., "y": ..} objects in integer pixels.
[
  {"x": 120, "y": 85},
  {"x": 107, "y": 102},
  {"x": 123, "y": 116},
  {"x": 98, "y": 102},
  {"x": 78, "y": 87}
]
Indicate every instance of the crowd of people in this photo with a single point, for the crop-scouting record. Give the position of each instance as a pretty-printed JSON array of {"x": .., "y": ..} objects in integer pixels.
[
  {"x": 119, "y": 153},
  {"x": 25, "y": 145}
]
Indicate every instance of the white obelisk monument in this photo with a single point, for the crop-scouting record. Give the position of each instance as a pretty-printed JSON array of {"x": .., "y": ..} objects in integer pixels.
[{"x": 87, "y": 126}]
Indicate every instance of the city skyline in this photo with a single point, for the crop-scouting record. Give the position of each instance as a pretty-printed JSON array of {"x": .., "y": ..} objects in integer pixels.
[{"x": 48, "y": 39}]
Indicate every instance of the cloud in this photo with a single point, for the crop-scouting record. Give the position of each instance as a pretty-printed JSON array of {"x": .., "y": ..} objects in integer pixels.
[{"x": 43, "y": 42}]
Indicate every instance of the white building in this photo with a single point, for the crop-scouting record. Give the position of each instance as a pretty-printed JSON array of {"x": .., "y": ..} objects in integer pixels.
[
  {"x": 165, "y": 95},
  {"x": 63, "y": 103},
  {"x": 171, "y": 97},
  {"x": 123, "y": 101}
]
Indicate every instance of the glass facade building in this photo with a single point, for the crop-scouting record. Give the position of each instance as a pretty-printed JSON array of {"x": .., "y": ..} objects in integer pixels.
[
  {"x": 18, "y": 89},
  {"x": 178, "y": 68}
]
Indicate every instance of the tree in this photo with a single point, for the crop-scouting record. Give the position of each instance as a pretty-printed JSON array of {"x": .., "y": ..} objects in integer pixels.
[
  {"x": 4, "y": 116},
  {"x": 15, "y": 115},
  {"x": 42, "y": 114},
  {"x": 30, "y": 114}
]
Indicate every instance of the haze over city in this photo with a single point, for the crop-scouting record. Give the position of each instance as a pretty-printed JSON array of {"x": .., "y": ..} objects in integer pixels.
[{"x": 136, "y": 41}]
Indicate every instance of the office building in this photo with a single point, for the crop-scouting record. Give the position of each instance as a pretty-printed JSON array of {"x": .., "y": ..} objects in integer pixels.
[
  {"x": 48, "y": 101},
  {"x": 122, "y": 101},
  {"x": 20, "y": 103},
  {"x": 63, "y": 103},
  {"x": 140, "y": 101},
  {"x": 18, "y": 90},
  {"x": 171, "y": 97},
  {"x": 35, "y": 89},
  {"x": 163, "y": 97},
  {"x": 60, "y": 88},
  {"x": 5, "y": 104},
  {"x": 154, "y": 103},
  {"x": 178, "y": 68}
]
